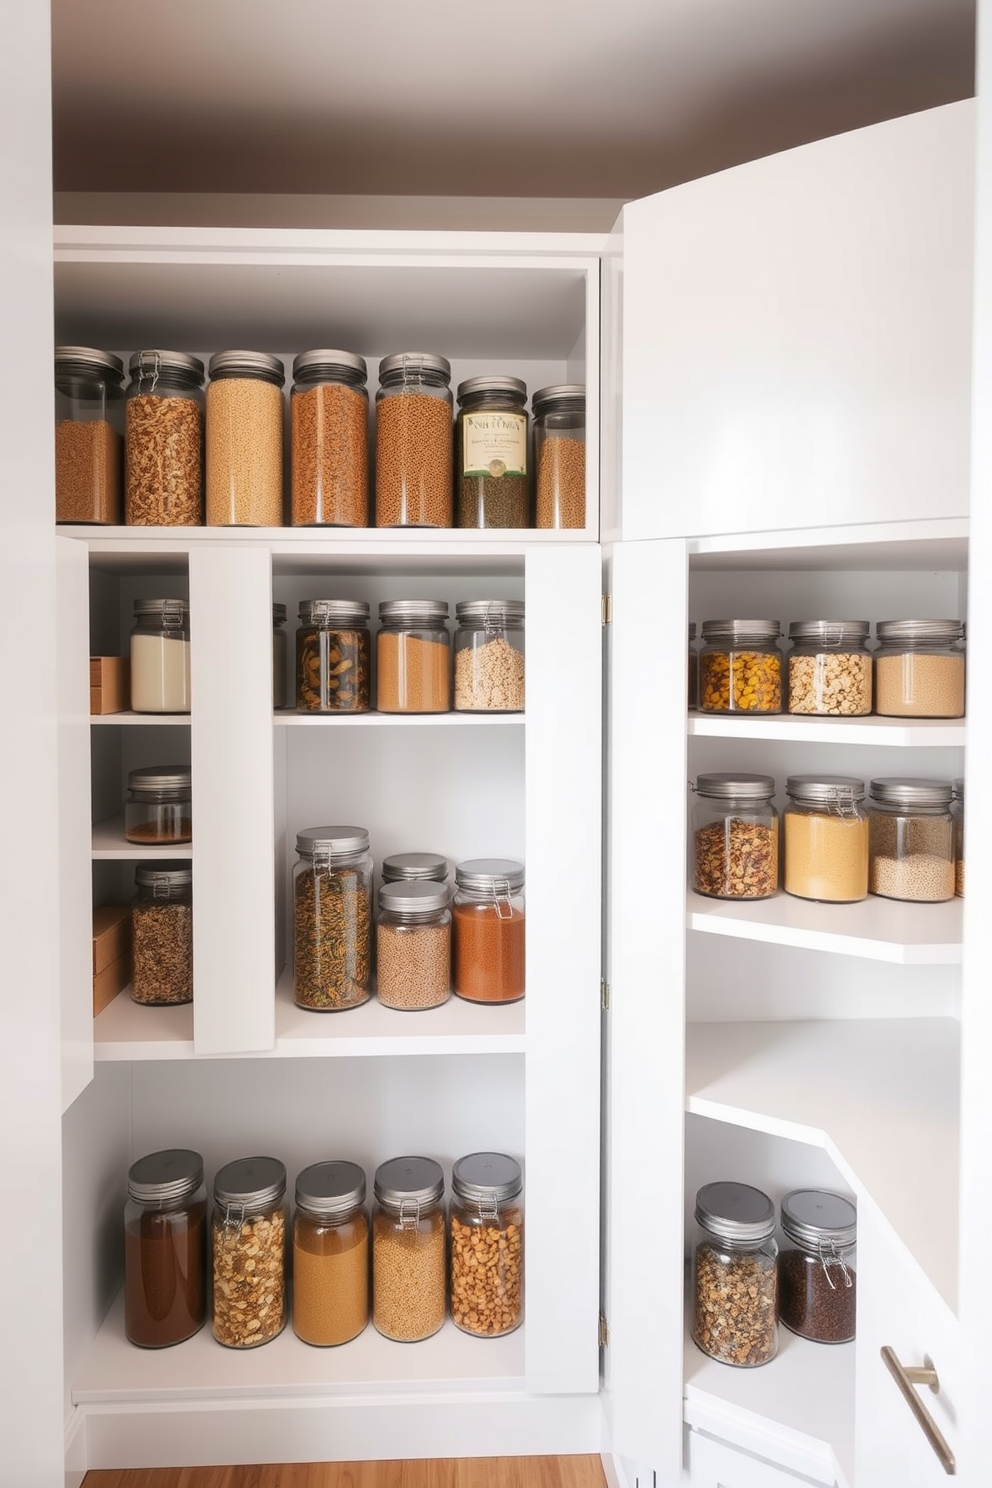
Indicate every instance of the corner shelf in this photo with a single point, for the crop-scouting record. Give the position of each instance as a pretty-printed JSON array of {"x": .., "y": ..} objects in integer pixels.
[
  {"x": 920, "y": 733},
  {"x": 876, "y": 929},
  {"x": 109, "y": 843}
]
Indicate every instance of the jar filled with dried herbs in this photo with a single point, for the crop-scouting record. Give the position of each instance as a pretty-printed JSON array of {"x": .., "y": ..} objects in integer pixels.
[
  {"x": 735, "y": 1275},
  {"x": 162, "y": 934},
  {"x": 333, "y": 652},
  {"x": 249, "y": 1250},
  {"x": 817, "y": 1291},
  {"x": 491, "y": 453},
  {"x": 164, "y": 442},
  {"x": 89, "y": 435},
  {"x": 332, "y": 918}
]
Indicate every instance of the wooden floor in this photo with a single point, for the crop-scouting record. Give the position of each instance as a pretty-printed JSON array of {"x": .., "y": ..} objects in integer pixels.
[{"x": 466, "y": 1472}]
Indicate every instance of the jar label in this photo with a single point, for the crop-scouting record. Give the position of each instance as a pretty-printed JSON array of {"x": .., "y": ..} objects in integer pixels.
[{"x": 494, "y": 443}]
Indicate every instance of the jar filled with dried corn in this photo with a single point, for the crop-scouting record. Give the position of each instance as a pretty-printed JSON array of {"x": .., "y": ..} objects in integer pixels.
[{"x": 740, "y": 667}]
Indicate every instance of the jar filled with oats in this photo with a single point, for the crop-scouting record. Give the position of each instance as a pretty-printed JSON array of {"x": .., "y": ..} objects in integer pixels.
[
  {"x": 911, "y": 839},
  {"x": 332, "y": 919},
  {"x": 489, "y": 656},
  {"x": 413, "y": 441},
  {"x": 244, "y": 439},
  {"x": 919, "y": 669},
  {"x": 487, "y": 1244},
  {"x": 249, "y": 1250},
  {"x": 957, "y": 811},
  {"x": 163, "y": 446},
  {"x": 740, "y": 667},
  {"x": 329, "y": 412},
  {"x": 89, "y": 435},
  {"x": 413, "y": 945},
  {"x": 830, "y": 668},
  {"x": 408, "y": 1249},
  {"x": 162, "y": 934},
  {"x": 734, "y": 836},
  {"x": 735, "y": 1275}
]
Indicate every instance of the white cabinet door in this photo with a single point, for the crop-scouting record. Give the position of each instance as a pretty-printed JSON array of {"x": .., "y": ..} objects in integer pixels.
[{"x": 713, "y": 1464}]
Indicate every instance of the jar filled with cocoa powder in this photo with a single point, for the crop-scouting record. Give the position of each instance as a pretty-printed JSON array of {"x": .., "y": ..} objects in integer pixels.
[
  {"x": 329, "y": 416},
  {"x": 489, "y": 927},
  {"x": 487, "y": 1244},
  {"x": 413, "y": 441},
  {"x": 165, "y": 1249}
]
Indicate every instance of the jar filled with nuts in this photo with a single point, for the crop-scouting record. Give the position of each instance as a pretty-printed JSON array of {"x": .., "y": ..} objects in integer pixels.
[
  {"x": 489, "y": 656},
  {"x": 919, "y": 669},
  {"x": 735, "y": 836},
  {"x": 911, "y": 839},
  {"x": 332, "y": 919},
  {"x": 413, "y": 441},
  {"x": 163, "y": 446},
  {"x": 162, "y": 934},
  {"x": 830, "y": 668},
  {"x": 740, "y": 667},
  {"x": 734, "y": 1275},
  {"x": 333, "y": 657},
  {"x": 487, "y": 1244},
  {"x": 413, "y": 945},
  {"x": 329, "y": 411},
  {"x": 957, "y": 811},
  {"x": 408, "y": 1249},
  {"x": 249, "y": 1249}
]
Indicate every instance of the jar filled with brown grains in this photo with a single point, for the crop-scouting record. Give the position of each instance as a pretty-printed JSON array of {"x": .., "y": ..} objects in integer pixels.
[
  {"x": 412, "y": 867},
  {"x": 408, "y": 1249},
  {"x": 329, "y": 419},
  {"x": 332, "y": 918},
  {"x": 560, "y": 456},
  {"x": 89, "y": 435},
  {"x": 490, "y": 926},
  {"x": 413, "y": 656},
  {"x": 911, "y": 839},
  {"x": 249, "y": 1249},
  {"x": 487, "y": 1244},
  {"x": 489, "y": 656},
  {"x": 280, "y": 657},
  {"x": 957, "y": 811},
  {"x": 330, "y": 1254},
  {"x": 825, "y": 838},
  {"x": 165, "y": 1249},
  {"x": 735, "y": 836},
  {"x": 163, "y": 447},
  {"x": 413, "y": 441},
  {"x": 158, "y": 808},
  {"x": 740, "y": 667},
  {"x": 333, "y": 657},
  {"x": 734, "y": 1275},
  {"x": 830, "y": 668},
  {"x": 244, "y": 439},
  {"x": 491, "y": 453},
  {"x": 817, "y": 1268},
  {"x": 413, "y": 945},
  {"x": 162, "y": 934},
  {"x": 919, "y": 669}
]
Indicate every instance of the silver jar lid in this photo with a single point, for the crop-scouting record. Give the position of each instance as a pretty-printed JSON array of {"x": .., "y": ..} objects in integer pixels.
[
  {"x": 171, "y": 875},
  {"x": 490, "y": 873},
  {"x": 250, "y": 1182},
  {"x": 735, "y": 1211},
  {"x": 401, "y": 362},
  {"x": 561, "y": 392},
  {"x": 146, "y": 366},
  {"x": 491, "y": 612},
  {"x": 514, "y": 387},
  {"x": 418, "y": 897},
  {"x": 739, "y": 630},
  {"x": 408, "y": 1183},
  {"x": 739, "y": 785},
  {"x": 891, "y": 631},
  {"x": 172, "y": 612},
  {"x": 910, "y": 790},
  {"x": 413, "y": 611},
  {"x": 332, "y": 841},
  {"x": 159, "y": 778},
  {"x": 278, "y": 614},
  {"x": 334, "y": 611},
  {"x": 692, "y": 630},
  {"x": 331, "y": 1190},
  {"x": 830, "y": 632},
  {"x": 310, "y": 364},
  {"x": 482, "y": 1176},
  {"x": 164, "y": 1176},
  {"x": 87, "y": 359},
  {"x": 959, "y": 790},
  {"x": 815, "y": 1216},
  {"x": 408, "y": 867},
  {"x": 825, "y": 790},
  {"x": 250, "y": 363}
]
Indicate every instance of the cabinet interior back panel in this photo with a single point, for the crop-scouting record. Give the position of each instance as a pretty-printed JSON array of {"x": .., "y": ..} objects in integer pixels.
[{"x": 835, "y": 594}]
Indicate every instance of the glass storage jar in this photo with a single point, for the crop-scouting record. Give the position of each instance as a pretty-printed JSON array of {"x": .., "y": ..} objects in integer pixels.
[
  {"x": 159, "y": 805},
  {"x": 911, "y": 839},
  {"x": 919, "y": 669},
  {"x": 957, "y": 811},
  {"x": 560, "y": 455},
  {"x": 734, "y": 1275},
  {"x": 409, "y": 867},
  {"x": 734, "y": 836},
  {"x": 740, "y": 667},
  {"x": 162, "y": 934},
  {"x": 825, "y": 838},
  {"x": 165, "y": 1249},
  {"x": 333, "y": 654},
  {"x": 489, "y": 962},
  {"x": 413, "y": 454},
  {"x": 163, "y": 446},
  {"x": 413, "y": 657},
  {"x": 487, "y": 1244},
  {"x": 89, "y": 435},
  {"x": 332, "y": 918},
  {"x": 244, "y": 439},
  {"x": 330, "y": 1254},
  {"x": 830, "y": 668},
  {"x": 491, "y": 453},
  {"x": 329, "y": 419},
  {"x": 693, "y": 668},
  {"x": 413, "y": 945},
  {"x": 489, "y": 656},
  {"x": 160, "y": 656},
  {"x": 817, "y": 1267},
  {"x": 280, "y": 657},
  {"x": 408, "y": 1249},
  {"x": 249, "y": 1250}
]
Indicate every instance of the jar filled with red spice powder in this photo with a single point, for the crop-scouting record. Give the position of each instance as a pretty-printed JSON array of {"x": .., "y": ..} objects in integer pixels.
[{"x": 488, "y": 923}]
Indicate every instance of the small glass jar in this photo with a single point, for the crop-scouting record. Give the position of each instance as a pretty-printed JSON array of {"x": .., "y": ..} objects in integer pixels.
[
  {"x": 919, "y": 669},
  {"x": 329, "y": 417},
  {"x": 158, "y": 810},
  {"x": 817, "y": 1267},
  {"x": 740, "y": 667},
  {"x": 165, "y": 1249},
  {"x": 560, "y": 456},
  {"x": 89, "y": 435},
  {"x": 412, "y": 867},
  {"x": 332, "y": 919},
  {"x": 162, "y": 934},
  {"x": 489, "y": 963},
  {"x": 413, "y": 657},
  {"x": 693, "y": 669},
  {"x": 413, "y": 442},
  {"x": 489, "y": 656},
  {"x": 333, "y": 654},
  {"x": 911, "y": 839},
  {"x": 280, "y": 658},
  {"x": 825, "y": 838},
  {"x": 244, "y": 439},
  {"x": 491, "y": 453},
  {"x": 734, "y": 1275},
  {"x": 163, "y": 448},
  {"x": 408, "y": 1249},
  {"x": 735, "y": 836},
  {"x": 249, "y": 1250},
  {"x": 957, "y": 811},
  {"x": 160, "y": 681},
  {"x": 487, "y": 1245},
  {"x": 330, "y": 1254},
  {"x": 413, "y": 945},
  {"x": 830, "y": 668}
]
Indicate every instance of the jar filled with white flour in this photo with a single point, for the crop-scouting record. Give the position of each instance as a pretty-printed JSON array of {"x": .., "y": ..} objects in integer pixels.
[{"x": 160, "y": 656}]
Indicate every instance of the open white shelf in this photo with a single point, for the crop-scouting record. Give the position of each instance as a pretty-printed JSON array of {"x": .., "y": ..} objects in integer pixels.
[
  {"x": 921, "y": 733},
  {"x": 126, "y": 1030},
  {"x": 289, "y": 718},
  {"x": 155, "y": 720},
  {"x": 109, "y": 842},
  {"x": 877, "y": 929},
  {"x": 289, "y": 541},
  {"x": 932, "y": 543}
]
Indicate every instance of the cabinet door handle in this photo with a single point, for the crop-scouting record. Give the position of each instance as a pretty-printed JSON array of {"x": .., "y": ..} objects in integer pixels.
[{"x": 906, "y": 1379}]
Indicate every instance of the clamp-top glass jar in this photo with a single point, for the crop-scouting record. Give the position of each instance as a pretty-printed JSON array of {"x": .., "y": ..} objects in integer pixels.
[
  {"x": 162, "y": 934},
  {"x": 825, "y": 831},
  {"x": 489, "y": 930},
  {"x": 817, "y": 1269},
  {"x": 489, "y": 656},
  {"x": 413, "y": 656},
  {"x": 911, "y": 839},
  {"x": 830, "y": 668},
  {"x": 249, "y": 1225},
  {"x": 158, "y": 809},
  {"x": 734, "y": 836},
  {"x": 280, "y": 657},
  {"x": 413, "y": 945},
  {"x": 165, "y": 1249},
  {"x": 330, "y": 1254},
  {"x": 957, "y": 811},
  {"x": 740, "y": 667},
  {"x": 89, "y": 435},
  {"x": 244, "y": 439},
  {"x": 163, "y": 451},
  {"x": 734, "y": 1275},
  {"x": 408, "y": 1249},
  {"x": 919, "y": 669},
  {"x": 413, "y": 454},
  {"x": 332, "y": 918},
  {"x": 160, "y": 679},
  {"x": 487, "y": 1244},
  {"x": 333, "y": 655},
  {"x": 491, "y": 453},
  {"x": 329, "y": 411},
  {"x": 560, "y": 455}
]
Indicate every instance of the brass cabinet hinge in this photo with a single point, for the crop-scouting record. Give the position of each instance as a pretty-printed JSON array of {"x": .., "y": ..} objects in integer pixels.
[
  {"x": 604, "y": 994},
  {"x": 604, "y": 1332},
  {"x": 607, "y": 609}
]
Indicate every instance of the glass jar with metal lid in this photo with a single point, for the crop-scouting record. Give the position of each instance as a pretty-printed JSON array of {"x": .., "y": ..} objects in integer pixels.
[
  {"x": 830, "y": 668},
  {"x": 163, "y": 448},
  {"x": 740, "y": 667},
  {"x": 487, "y": 1244},
  {"x": 333, "y": 655},
  {"x": 489, "y": 656},
  {"x": 693, "y": 668},
  {"x": 489, "y": 930},
  {"x": 330, "y": 1254},
  {"x": 165, "y": 1249},
  {"x": 244, "y": 439},
  {"x": 734, "y": 836},
  {"x": 332, "y": 918},
  {"x": 560, "y": 455},
  {"x": 491, "y": 453},
  {"x": 413, "y": 945},
  {"x": 280, "y": 657},
  {"x": 89, "y": 435},
  {"x": 825, "y": 832},
  {"x": 409, "y": 867},
  {"x": 413, "y": 656},
  {"x": 919, "y": 669},
  {"x": 957, "y": 811},
  {"x": 162, "y": 934},
  {"x": 329, "y": 419},
  {"x": 408, "y": 1249},
  {"x": 817, "y": 1268},
  {"x": 413, "y": 454},
  {"x": 160, "y": 680},
  {"x": 249, "y": 1250},
  {"x": 911, "y": 839},
  {"x": 734, "y": 1275},
  {"x": 158, "y": 807}
]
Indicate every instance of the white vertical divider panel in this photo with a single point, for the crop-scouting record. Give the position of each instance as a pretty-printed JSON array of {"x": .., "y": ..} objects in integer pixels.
[
  {"x": 563, "y": 775},
  {"x": 230, "y": 592}
]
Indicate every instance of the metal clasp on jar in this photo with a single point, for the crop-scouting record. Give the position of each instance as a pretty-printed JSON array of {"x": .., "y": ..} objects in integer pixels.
[
  {"x": 409, "y": 1214},
  {"x": 234, "y": 1218},
  {"x": 148, "y": 367},
  {"x": 501, "y": 892},
  {"x": 172, "y": 614},
  {"x": 830, "y": 1257},
  {"x": 843, "y": 804},
  {"x": 489, "y": 1209}
]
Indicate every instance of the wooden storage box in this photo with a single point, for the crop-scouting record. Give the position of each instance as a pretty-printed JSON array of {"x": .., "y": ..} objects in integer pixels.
[
  {"x": 111, "y": 953},
  {"x": 110, "y": 684}
]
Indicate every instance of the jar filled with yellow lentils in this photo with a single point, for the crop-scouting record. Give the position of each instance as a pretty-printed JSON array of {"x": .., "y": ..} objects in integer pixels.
[{"x": 740, "y": 667}]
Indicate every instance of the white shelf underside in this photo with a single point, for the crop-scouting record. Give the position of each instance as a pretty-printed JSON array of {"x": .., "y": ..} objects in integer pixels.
[
  {"x": 919, "y": 733},
  {"x": 876, "y": 929}
]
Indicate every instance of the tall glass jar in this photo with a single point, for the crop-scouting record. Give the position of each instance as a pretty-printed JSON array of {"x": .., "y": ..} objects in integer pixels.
[
  {"x": 825, "y": 832},
  {"x": 158, "y": 809},
  {"x": 911, "y": 839},
  {"x": 817, "y": 1269},
  {"x": 332, "y": 918},
  {"x": 165, "y": 1249},
  {"x": 560, "y": 455},
  {"x": 489, "y": 930},
  {"x": 413, "y": 454},
  {"x": 413, "y": 945},
  {"x": 330, "y": 440},
  {"x": 163, "y": 449},
  {"x": 491, "y": 453},
  {"x": 957, "y": 811},
  {"x": 330, "y": 1254},
  {"x": 919, "y": 669},
  {"x": 160, "y": 679},
  {"x": 740, "y": 667},
  {"x": 162, "y": 934},
  {"x": 693, "y": 669},
  {"x": 408, "y": 1249},
  {"x": 830, "y": 668},
  {"x": 489, "y": 656},
  {"x": 280, "y": 657},
  {"x": 735, "y": 836},
  {"x": 89, "y": 435},
  {"x": 412, "y": 867},
  {"x": 413, "y": 656},
  {"x": 249, "y": 1250},
  {"x": 333, "y": 656},
  {"x": 244, "y": 439},
  {"x": 487, "y": 1244},
  {"x": 734, "y": 1275}
]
